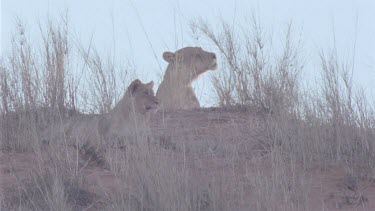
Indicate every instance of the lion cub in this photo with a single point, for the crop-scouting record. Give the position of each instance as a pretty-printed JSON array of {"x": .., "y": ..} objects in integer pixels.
[
  {"x": 129, "y": 117},
  {"x": 185, "y": 66}
]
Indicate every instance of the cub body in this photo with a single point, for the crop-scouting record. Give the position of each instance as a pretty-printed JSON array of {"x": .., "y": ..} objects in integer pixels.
[{"x": 130, "y": 116}]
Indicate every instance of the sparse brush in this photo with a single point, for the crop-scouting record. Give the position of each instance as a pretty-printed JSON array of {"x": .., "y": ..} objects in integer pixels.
[
  {"x": 106, "y": 82},
  {"x": 249, "y": 74},
  {"x": 331, "y": 124},
  {"x": 255, "y": 154},
  {"x": 34, "y": 89},
  {"x": 56, "y": 51},
  {"x": 49, "y": 187}
]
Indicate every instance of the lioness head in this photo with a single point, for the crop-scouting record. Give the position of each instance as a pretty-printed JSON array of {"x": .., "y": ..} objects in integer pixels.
[
  {"x": 192, "y": 58},
  {"x": 143, "y": 98}
]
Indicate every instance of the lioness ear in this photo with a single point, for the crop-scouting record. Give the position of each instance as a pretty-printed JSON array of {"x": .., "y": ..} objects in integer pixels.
[
  {"x": 150, "y": 84},
  {"x": 134, "y": 86},
  {"x": 169, "y": 56}
]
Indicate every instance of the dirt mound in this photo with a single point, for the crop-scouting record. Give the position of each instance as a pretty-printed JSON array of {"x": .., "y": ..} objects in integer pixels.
[{"x": 224, "y": 157}]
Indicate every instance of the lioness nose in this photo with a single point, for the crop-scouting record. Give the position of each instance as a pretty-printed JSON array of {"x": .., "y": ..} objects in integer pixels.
[{"x": 214, "y": 56}]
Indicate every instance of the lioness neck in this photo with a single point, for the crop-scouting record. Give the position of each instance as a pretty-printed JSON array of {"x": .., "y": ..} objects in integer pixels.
[{"x": 180, "y": 75}]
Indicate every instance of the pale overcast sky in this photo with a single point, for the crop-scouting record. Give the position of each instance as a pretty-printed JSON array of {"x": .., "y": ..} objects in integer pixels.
[{"x": 166, "y": 23}]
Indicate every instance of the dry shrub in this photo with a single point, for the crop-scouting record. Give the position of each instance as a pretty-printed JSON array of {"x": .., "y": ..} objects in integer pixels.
[
  {"x": 331, "y": 123},
  {"x": 250, "y": 75},
  {"x": 52, "y": 184},
  {"x": 56, "y": 63},
  {"x": 152, "y": 178},
  {"x": 345, "y": 113},
  {"x": 38, "y": 91},
  {"x": 254, "y": 75},
  {"x": 35, "y": 92},
  {"x": 107, "y": 81},
  {"x": 39, "y": 85},
  {"x": 149, "y": 180}
]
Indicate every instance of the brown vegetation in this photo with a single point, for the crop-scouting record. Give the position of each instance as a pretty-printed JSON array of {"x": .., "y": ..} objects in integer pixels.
[{"x": 270, "y": 145}]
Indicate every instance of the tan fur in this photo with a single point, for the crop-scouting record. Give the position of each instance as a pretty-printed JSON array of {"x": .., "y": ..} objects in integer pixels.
[
  {"x": 185, "y": 66},
  {"x": 130, "y": 115}
]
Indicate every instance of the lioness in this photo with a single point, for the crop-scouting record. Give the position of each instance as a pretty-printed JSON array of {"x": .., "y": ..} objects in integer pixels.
[
  {"x": 185, "y": 65},
  {"x": 129, "y": 116}
]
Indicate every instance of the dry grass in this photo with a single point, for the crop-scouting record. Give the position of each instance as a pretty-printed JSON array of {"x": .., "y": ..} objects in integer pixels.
[
  {"x": 271, "y": 145},
  {"x": 253, "y": 75},
  {"x": 332, "y": 123}
]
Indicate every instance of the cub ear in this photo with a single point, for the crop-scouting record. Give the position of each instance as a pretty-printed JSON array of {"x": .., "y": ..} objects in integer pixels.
[
  {"x": 150, "y": 84},
  {"x": 169, "y": 56},
  {"x": 134, "y": 86}
]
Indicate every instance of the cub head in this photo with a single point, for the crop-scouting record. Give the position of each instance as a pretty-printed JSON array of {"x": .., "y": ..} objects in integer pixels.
[
  {"x": 143, "y": 97},
  {"x": 193, "y": 58}
]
